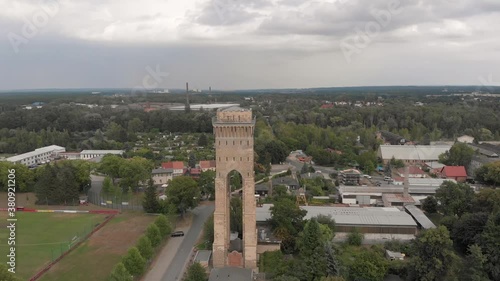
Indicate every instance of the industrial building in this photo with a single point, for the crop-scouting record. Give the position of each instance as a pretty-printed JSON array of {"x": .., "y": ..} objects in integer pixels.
[
  {"x": 89, "y": 154},
  {"x": 412, "y": 154},
  {"x": 418, "y": 189},
  {"x": 38, "y": 156},
  {"x": 367, "y": 220}
]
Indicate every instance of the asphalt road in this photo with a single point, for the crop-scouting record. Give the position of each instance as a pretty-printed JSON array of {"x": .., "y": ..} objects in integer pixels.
[{"x": 176, "y": 268}]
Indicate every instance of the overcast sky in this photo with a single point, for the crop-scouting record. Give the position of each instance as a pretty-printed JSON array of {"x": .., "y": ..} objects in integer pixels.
[{"x": 247, "y": 44}]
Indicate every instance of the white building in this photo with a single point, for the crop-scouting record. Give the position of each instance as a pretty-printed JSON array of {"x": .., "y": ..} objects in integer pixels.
[
  {"x": 38, "y": 156},
  {"x": 465, "y": 139},
  {"x": 90, "y": 154},
  {"x": 412, "y": 153}
]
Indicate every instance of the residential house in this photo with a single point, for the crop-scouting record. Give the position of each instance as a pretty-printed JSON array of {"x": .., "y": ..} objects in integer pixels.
[
  {"x": 176, "y": 166},
  {"x": 162, "y": 176},
  {"x": 311, "y": 176},
  {"x": 192, "y": 172},
  {"x": 414, "y": 172},
  {"x": 289, "y": 182},
  {"x": 207, "y": 165},
  {"x": 457, "y": 173}
]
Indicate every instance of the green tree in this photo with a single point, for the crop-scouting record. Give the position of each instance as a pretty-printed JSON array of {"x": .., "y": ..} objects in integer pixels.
[
  {"x": 154, "y": 235},
  {"x": 486, "y": 200},
  {"x": 433, "y": 255},
  {"x": 203, "y": 140},
  {"x": 208, "y": 232},
  {"x": 24, "y": 176},
  {"x": 150, "y": 204},
  {"x": 312, "y": 251},
  {"x": 454, "y": 198},
  {"x": 367, "y": 265},
  {"x": 273, "y": 264},
  {"x": 192, "y": 160},
  {"x": 5, "y": 275},
  {"x": 207, "y": 183},
  {"x": 145, "y": 248},
  {"x": 134, "y": 171},
  {"x": 332, "y": 278},
  {"x": 286, "y": 278},
  {"x": 110, "y": 165},
  {"x": 135, "y": 125},
  {"x": 328, "y": 221},
  {"x": 430, "y": 205},
  {"x": 467, "y": 230},
  {"x": 184, "y": 193},
  {"x": 107, "y": 186},
  {"x": 163, "y": 225},
  {"x": 355, "y": 237},
  {"x": 196, "y": 272},
  {"x": 119, "y": 273},
  {"x": 287, "y": 221},
  {"x": 333, "y": 267},
  {"x": 134, "y": 262},
  {"x": 474, "y": 265},
  {"x": 460, "y": 154},
  {"x": 490, "y": 241},
  {"x": 236, "y": 215}
]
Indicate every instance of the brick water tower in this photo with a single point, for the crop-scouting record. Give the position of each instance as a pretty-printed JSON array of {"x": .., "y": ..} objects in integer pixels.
[{"x": 234, "y": 140}]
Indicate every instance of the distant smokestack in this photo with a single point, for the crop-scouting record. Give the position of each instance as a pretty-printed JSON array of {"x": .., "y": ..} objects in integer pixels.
[
  {"x": 187, "y": 108},
  {"x": 406, "y": 182},
  {"x": 210, "y": 89}
]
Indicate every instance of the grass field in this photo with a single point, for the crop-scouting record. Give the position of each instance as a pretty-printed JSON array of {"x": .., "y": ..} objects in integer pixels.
[
  {"x": 41, "y": 237},
  {"x": 95, "y": 258}
]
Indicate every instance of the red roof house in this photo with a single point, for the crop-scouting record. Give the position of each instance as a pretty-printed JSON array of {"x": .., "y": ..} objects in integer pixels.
[
  {"x": 177, "y": 166},
  {"x": 457, "y": 173},
  {"x": 207, "y": 165},
  {"x": 413, "y": 172}
]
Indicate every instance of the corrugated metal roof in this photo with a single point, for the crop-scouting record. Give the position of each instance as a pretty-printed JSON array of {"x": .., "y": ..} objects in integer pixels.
[
  {"x": 102, "y": 152},
  {"x": 412, "y": 152},
  {"x": 350, "y": 215},
  {"x": 420, "y": 217}
]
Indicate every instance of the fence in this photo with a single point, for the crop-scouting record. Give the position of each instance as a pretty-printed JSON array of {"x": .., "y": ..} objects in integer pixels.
[
  {"x": 128, "y": 201},
  {"x": 66, "y": 248}
]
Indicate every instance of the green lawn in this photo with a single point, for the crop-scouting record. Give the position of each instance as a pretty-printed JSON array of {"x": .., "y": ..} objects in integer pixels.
[{"x": 41, "y": 237}]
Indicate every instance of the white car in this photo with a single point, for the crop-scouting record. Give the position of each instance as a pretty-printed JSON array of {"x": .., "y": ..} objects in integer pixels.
[{"x": 367, "y": 176}]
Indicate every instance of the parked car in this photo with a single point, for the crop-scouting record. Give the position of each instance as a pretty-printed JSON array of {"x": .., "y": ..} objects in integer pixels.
[
  {"x": 177, "y": 234},
  {"x": 387, "y": 178}
]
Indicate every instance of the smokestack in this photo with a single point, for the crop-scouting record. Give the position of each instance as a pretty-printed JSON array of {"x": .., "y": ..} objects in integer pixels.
[
  {"x": 406, "y": 182},
  {"x": 187, "y": 108},
  {"x": 210, "y": 89}
]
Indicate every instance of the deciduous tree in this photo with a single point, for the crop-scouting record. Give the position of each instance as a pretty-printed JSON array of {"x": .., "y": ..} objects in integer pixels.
[
  {"x": 196, "y": 272},
  {"x": 184, "y": 193},
  {"x": 134, "y": 262},
  {"x": 145, "y": 248}
]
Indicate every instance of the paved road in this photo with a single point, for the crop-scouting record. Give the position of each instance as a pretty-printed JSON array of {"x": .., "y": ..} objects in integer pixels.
[{"x": 176, "y": 268}]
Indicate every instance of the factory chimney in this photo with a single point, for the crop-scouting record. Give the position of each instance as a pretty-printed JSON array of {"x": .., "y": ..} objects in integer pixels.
[{"x": 187, "y": 108}]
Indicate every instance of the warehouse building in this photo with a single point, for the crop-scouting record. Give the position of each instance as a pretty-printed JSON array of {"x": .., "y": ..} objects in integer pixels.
[
  {"x": 366, "y": 220},
  {"x": 412, "y": 154}
]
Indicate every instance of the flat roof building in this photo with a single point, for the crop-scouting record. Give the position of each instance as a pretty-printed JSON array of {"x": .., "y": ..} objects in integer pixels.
[
  {"x": 38, "y": 156},
  {"x": 89, "y": 154},
  {"x": 367, "y": 220},
  {"x": 412, "y": 153}
]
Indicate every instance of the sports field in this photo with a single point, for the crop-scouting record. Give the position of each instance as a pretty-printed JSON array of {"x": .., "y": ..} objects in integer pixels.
[
  {"x": 95, "y": 258},
  {"x": 41, "y": 237}
]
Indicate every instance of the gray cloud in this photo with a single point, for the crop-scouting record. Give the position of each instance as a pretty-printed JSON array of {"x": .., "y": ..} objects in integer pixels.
[{"x": 251, "y": 44}]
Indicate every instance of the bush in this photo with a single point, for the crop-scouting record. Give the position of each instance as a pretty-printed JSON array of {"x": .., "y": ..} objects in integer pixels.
[
  {"x": 196, "y": 272},
  {"x": 355, "y": 238}
]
